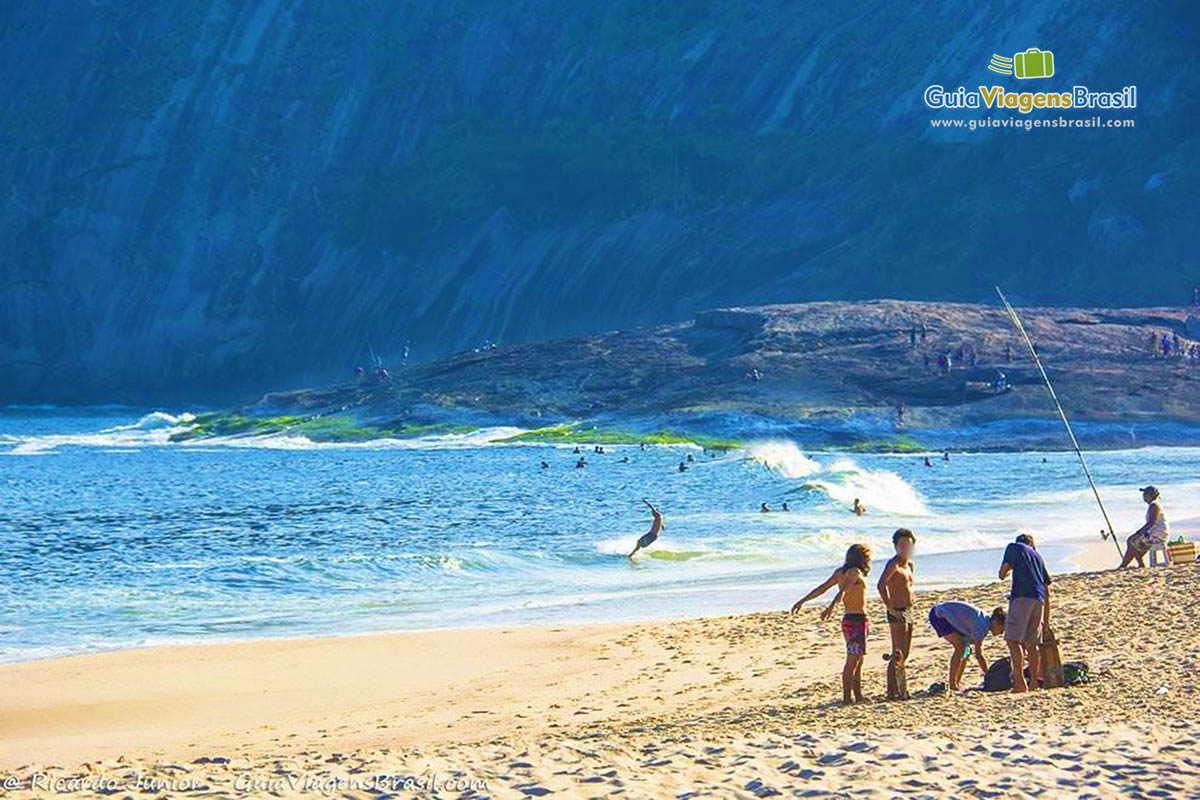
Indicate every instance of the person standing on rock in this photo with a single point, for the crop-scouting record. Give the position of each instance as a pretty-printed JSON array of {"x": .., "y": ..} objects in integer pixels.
[{"x": 651, "y": 536}]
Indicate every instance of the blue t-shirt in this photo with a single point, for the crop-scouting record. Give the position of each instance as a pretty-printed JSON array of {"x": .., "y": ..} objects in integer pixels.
[
  {"x": 1029, "y": 576},
  {"x": 971, "y": 621}
]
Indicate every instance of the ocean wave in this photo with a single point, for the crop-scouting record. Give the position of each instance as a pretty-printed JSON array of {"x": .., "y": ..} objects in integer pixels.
[
  {"x": 153, "y": 429},
  {"x": 783, "y": 457},
  {"x": 842, "y": 480}
]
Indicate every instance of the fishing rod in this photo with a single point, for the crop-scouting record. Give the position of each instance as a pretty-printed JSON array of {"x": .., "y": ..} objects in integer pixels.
[{"x": 1016, "y": 321}]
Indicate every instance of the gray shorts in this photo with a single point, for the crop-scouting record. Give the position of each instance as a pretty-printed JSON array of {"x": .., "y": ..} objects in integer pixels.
[{"x": 1024, "y": 619}]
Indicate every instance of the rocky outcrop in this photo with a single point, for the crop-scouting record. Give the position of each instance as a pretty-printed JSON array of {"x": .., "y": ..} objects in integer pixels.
[{"x": 858, "y": 370}]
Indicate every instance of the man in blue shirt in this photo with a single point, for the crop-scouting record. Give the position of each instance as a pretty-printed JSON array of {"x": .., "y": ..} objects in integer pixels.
[{"x": 1028, "y": 606}]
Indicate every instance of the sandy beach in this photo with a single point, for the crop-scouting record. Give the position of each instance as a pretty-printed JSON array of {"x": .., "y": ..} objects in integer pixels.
[{"x": 729, "y": 707}]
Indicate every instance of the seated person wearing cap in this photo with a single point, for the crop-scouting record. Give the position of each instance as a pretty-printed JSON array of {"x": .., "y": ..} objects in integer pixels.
[{"x": 1151, "y": 535}]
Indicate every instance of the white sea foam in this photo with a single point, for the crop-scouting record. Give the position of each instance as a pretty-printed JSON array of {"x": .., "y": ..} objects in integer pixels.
[
  {"x": 783, "y": 457},
  {"x": 157, "y": 428},
  {"x": 842, "y": 480}
]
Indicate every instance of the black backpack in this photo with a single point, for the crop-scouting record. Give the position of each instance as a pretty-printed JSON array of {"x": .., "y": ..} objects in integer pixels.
[{"x": 999, "y": 676}]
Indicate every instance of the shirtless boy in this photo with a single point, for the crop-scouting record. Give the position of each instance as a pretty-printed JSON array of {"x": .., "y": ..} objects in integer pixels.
[
  {"x": 850, "y": 579},
  {"x": 896, "y": 588}
]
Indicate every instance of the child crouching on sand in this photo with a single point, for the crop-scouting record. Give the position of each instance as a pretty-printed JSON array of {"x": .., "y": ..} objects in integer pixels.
[
  {"x": 964, "y": 626},
  {"x": 852, "y": 590}
]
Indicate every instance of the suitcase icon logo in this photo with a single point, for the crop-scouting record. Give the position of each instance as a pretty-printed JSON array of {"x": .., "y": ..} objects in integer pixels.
[{"x": 1033, "y": 63}]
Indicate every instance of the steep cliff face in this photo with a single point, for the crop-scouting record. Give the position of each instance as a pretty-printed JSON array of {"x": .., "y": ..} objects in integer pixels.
[{"x": 208, "y": 199}]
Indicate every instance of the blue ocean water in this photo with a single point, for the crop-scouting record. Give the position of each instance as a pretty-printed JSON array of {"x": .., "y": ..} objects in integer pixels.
[{"x": 112, "y": 537}]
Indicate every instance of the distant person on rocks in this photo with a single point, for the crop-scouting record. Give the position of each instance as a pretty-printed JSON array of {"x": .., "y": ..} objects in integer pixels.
[
  {"x": 1028, "y": 609},
  {"x": 651, "y": 536},
  {"x": 1150, "y": 536}
]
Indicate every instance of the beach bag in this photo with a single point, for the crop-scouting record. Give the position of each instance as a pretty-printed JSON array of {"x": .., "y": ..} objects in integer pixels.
[
  {"x": 999, "y": 676},
  {"x": 1075, "y": 673},
  {"x": 1052, "y": 667}
]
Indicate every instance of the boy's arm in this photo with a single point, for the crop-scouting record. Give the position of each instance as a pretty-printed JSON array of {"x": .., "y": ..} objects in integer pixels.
[
  {"x": 836, "y": 599},
  {"x": 882, "y": 586},
  {"x": 817, "y": 592},
  {"x": 843, "y": 581},
  {"x": 1046, "y": 610}
]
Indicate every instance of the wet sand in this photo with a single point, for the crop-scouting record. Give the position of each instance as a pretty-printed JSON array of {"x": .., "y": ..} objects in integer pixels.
[{"x": 739, "y": 706}]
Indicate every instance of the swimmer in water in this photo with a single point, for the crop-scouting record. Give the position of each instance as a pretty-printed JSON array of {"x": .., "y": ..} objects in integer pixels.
[
  {"x": 928, "y": 463},
  {"x": 785, "y": 506},
  {"x": 683, "y": 467},
  {"x": 545, "y": 465},
  {"x": 859, "y": 508},
  {"x": 764, "y": 508},
  {"x": 651, "y": 536}
]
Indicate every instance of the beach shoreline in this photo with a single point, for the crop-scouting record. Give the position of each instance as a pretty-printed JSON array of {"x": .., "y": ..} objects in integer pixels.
[
  {"x": 725, "y": 695},
  {"x": 1064, "y": 556}
]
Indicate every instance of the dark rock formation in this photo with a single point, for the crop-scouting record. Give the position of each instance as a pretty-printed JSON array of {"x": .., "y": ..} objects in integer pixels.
[{"x": 819, "y": 366}]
